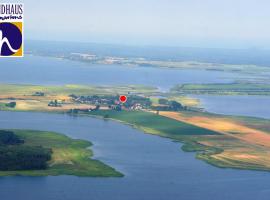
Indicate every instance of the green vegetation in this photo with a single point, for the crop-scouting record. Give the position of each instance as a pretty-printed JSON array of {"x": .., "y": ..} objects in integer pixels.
[
  {"x": 22, "y": 157},
  {"x": 155, "y": 124},
  {"x": 223, "y": 141},
  {"x": 7, "y": 106},
  {"x": 14, "y": 155},
  {"x": 191, "y": 146},
  {"x": 11, "y": 105},
  {"x": 254, "y": 70},
  {"x": 69, "y": 156},
  {"x": 41, "y": 91},
  {"x": 9, "y": 138},
  {"x": 54, "y": 103},
  {"x": 166, "y": 105},
  {"x": 224, "y": 89},
  {"x": 133, "y": 100},
  {"x": 169, "y": 128},
  {"x": 112, "y": 101},
  {"x": 210, "y": 146},
  {"x": 68, "y": 97}
]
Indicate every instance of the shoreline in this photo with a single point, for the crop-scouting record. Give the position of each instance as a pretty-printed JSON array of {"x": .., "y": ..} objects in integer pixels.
[
  {"x": 203, "y": 152},
  {"x": 221, "y": 140},
  {"x": 70, "y": 157}
]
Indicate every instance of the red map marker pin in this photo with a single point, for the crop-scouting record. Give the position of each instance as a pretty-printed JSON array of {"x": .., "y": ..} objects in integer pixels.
[{"x": 123, "y": 99}]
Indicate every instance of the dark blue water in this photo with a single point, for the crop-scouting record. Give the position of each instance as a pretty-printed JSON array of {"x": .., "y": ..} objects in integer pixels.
[
  {"x": 52, "y": 71},
  {"x": 155, "y": 167},
  {"x": 254, "y": 106}
]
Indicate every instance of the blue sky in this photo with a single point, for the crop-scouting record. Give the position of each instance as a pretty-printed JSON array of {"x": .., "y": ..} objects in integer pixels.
[{"x": 202, "y": 23}]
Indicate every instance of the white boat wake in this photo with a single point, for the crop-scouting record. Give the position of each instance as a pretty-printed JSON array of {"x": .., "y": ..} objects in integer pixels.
[{"x": 4, "y": 40}]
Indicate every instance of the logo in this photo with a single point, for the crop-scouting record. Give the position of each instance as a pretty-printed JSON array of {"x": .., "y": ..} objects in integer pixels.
[
  {"x": 11, "y": 39},
  {"x": 11, "y": 30}
]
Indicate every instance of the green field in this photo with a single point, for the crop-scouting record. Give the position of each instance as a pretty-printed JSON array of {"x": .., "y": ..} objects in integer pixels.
[
  {"x": 70, "y": 156},
  {"x": 24, "y": 90},
  {"x": 224, "y": 89},
  {"x": 155, "y": 124}
]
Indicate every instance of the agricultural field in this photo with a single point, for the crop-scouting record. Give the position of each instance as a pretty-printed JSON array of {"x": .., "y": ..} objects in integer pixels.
[
  {"x": 243, "y": 145},
  {"x": 154, "y": 123},
  {"x": 8, "y": 90},
  {"x": 219, "y": 140},
  {"x": 37, "y": 98}
]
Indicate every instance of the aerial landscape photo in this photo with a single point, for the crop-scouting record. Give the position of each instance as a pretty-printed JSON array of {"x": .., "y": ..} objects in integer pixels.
[{"x": 135, "y": 100}]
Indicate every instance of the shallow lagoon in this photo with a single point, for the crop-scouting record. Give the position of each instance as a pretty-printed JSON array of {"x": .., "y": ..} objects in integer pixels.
[
  {"x": 52, "y": 71},
  {"x": 254, "y": 106},
  {"x": 155, "y": 167}
]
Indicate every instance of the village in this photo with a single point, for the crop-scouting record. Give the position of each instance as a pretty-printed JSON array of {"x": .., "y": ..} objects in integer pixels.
[{"x": 113, "y": 102}]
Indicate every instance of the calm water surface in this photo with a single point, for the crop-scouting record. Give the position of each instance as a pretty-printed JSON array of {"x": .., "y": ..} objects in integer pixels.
[
  {"x": 51, "y": 71},
  {"x": 254, "y": 106},
  {"x": 155, "y": 167}
]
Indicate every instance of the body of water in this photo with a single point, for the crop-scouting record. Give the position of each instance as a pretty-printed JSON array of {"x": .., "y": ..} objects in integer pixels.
[
  {"x": 53, "y": 71},
  {"x": 154, "y": 167},
  {"x": 253, "y": 106}
]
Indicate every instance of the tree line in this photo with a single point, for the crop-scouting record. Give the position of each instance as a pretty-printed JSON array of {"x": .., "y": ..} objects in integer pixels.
[{"x": 16, "y": 155}]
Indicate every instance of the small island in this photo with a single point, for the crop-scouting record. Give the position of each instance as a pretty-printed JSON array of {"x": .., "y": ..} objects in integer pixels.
[{"x": 39, "y": 153}]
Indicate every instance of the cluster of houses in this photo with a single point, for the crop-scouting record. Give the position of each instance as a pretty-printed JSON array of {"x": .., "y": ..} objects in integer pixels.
[
  {"x": 113, "y": 103},
  {"x": 94, "y": 100}
]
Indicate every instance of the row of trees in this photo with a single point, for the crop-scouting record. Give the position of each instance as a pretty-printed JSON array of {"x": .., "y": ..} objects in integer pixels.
[
  {"x": 11, "y": 104},
  {"x": 9, "y": 138},
  {"x": 166, "y": 105},
  {"x": 22, "y": 157}
]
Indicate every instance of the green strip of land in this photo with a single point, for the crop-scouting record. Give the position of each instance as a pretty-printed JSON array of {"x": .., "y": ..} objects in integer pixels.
[
  {"x": 224, "y": 89},
  {"x": 69, "y": 156},
  {"x": 165, "y": 127},
  {"x": 25, "y": 90},
  {"x": 155, "y": 124}
]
